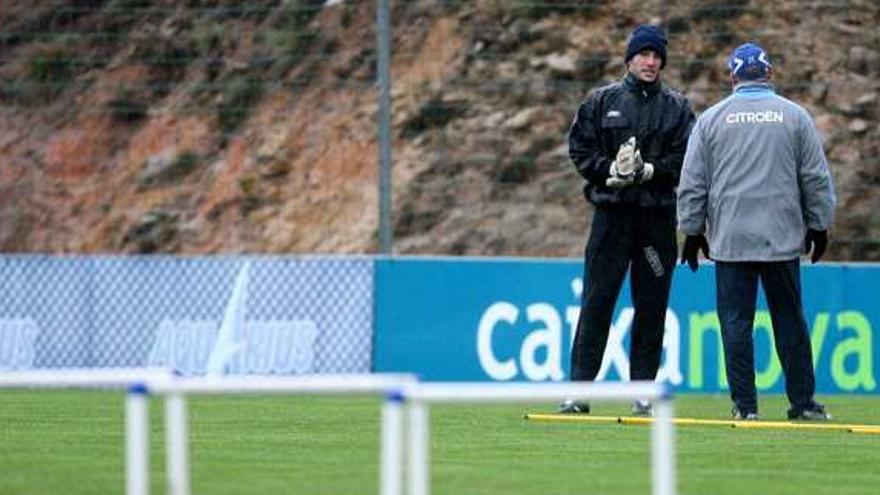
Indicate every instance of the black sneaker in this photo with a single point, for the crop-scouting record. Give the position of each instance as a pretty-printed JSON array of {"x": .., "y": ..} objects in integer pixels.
[
  {"x": 741, "y": 416},
  {"x": 813, "y": 412},
  {"x": 572, "y": 406},
  {"x": 642, "y": 408}
]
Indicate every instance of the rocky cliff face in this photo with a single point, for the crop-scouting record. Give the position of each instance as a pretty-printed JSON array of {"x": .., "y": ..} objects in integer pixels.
[{"x": 229, "y": 126}]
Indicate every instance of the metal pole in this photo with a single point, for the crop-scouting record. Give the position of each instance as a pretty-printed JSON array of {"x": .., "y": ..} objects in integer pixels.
[
  {"x": 419, "y": 477},
  {"x": 663, "y": 448},
  {"x": 391, "y": 462},
  {"x": 137, "y": 450},
  {"x": 177, "y": 445},
  {"x": 383, "y": 47}
]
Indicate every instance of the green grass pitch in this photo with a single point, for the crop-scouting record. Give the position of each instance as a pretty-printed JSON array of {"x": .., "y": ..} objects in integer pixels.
[{"x": 71, "y": 442}]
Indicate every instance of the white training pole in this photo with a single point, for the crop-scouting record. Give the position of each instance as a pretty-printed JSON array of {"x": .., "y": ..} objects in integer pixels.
[
  {"x": 137, "y": 461},
  {"x": 419, "y": 477},
  {"x": 59, "y": 378},
  {"x": 177, "y": 445},
  {"x": 663, "y": 448},
  {"x": 391, "y": 450},
  {"x": 305, "y": 384},
  {"x": 478, "y": 392}
]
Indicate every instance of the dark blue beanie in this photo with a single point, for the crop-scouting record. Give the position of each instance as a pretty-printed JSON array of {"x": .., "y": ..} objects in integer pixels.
[{"x": 647, "y": 36}]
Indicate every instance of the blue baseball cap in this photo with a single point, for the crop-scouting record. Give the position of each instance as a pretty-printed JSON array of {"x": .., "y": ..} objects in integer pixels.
[{"x": 748, "y": 62}]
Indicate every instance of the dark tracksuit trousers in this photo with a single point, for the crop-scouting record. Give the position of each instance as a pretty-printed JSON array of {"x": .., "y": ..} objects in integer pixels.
[
  {"x": 642, "y": 240},
  {"x": 737, "y": 292}
]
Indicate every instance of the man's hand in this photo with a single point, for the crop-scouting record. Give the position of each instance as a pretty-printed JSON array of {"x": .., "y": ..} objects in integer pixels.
[
  {"x": 692, "y": 245},
  {"x": 628, "y": 168},
  {"x": 817, "y": 240}
]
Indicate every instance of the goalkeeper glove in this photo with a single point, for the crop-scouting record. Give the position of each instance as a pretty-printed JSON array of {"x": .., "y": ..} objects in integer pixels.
[{"x": 628, "y": 168}]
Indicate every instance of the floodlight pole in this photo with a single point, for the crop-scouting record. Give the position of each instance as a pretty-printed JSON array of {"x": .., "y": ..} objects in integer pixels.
[{"x": 383, "y": 73}]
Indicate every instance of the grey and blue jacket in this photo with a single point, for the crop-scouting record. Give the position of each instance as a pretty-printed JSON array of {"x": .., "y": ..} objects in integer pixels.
[{"x": 755, "y": 177}]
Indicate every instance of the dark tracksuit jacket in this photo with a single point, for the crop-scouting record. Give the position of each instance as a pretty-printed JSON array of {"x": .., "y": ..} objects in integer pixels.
[{"x": 634, "y": 226}]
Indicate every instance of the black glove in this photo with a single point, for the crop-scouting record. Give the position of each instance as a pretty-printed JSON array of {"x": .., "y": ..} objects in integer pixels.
[
  {"x": 692, "y": 245},
  {"x": 818, "y": 241}
]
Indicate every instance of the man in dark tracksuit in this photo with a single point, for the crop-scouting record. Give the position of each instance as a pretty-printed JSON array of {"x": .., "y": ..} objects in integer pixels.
[
  {"x": 756, "y": 179},
  {"x": 628, "y": 140}
]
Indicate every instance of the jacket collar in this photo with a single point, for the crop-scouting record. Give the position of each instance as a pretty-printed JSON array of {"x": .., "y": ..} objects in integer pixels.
[
  {"x": 633, "y": 84},
  {"x": 753, "y": 89}
]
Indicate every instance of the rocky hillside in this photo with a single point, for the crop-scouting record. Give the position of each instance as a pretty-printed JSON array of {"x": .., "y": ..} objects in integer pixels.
[{"x": 230, "y": 126}]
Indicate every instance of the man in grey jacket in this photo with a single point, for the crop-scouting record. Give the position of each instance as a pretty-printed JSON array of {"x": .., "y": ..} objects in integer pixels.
[{"x": 756, "y": 179}]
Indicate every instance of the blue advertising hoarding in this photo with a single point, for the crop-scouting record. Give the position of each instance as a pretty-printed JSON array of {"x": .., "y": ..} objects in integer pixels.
[{"x": 514, "y": 320}]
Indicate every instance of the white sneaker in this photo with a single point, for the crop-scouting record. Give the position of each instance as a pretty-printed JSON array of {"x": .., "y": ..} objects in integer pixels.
[
  {"x": 572, "y": 406},
  {"x": 642, "y": 407}
]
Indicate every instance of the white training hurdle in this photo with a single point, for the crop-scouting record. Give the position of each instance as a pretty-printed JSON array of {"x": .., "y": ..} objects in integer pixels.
[
  {"x": 420, "y": 396},
  {"x": 141, "y": 382},
  {"x": 391, "y": 437},
  {"x": 136, "y": 427},
  {"x": 399, "y": 390}
]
